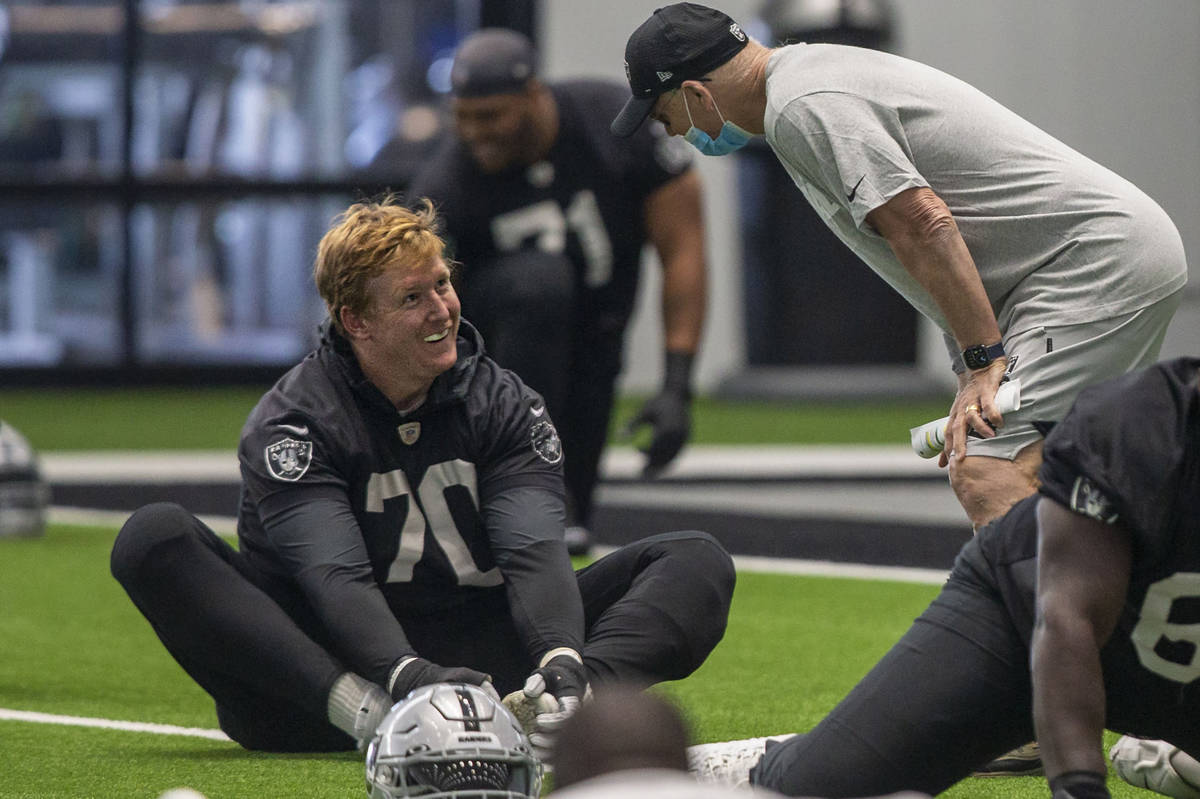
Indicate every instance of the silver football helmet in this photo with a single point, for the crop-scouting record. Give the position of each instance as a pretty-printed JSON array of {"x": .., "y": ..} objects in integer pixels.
[
  {"x": 451, "y": 740},
  {"x": 24, "y": 496}
]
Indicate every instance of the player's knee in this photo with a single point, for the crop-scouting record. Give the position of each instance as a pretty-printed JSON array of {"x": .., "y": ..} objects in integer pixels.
[
  {"x": 706, "y": 568},
  {"x": 148, "y": 527},
  {"x": 703, "y": 554},
  {"x": 987, "y": 487}
]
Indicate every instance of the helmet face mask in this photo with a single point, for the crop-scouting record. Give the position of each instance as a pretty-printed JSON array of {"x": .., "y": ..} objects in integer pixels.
[
  {"x": 24, "y": 496},
  {"x": 451, "y": 740}
]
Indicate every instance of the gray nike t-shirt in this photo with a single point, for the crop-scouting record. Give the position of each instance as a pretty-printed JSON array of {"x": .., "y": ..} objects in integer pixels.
[{"x": 1057, "y": 238}]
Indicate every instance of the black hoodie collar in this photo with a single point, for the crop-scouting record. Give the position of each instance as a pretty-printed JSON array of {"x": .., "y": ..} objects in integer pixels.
[{"x": 449, "y": 387}]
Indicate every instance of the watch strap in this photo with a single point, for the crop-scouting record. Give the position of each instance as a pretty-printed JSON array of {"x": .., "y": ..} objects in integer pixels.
[{"x": 981, "y": 355}]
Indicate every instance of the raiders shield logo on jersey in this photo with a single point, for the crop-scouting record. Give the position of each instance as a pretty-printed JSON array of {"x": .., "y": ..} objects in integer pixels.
[
  {"x": 545, "y": 442},
  {"x": 1088, "y": 500},
  {"x": 289, "y": 459}
]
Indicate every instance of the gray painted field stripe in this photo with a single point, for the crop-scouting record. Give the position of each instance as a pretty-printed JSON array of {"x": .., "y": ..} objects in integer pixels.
[
  {"x": 111, "y": 724},
  {"x": 619, "y": 463}
]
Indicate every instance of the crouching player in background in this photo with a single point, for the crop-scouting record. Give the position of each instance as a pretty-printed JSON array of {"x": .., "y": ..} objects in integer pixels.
[
  {"x": 401, "y": 524},
  {"x": 1094, "y": 581}
]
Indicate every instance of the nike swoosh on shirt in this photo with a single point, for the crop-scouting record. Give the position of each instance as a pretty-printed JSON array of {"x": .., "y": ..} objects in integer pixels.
[
  {"x": 291, "y": 428},
  {"x": 537, "y": 410},
  {"x": 854, "y": 191}
]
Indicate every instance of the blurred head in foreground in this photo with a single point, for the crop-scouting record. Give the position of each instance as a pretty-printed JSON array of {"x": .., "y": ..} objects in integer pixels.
[{"x": 622, "y": 728}]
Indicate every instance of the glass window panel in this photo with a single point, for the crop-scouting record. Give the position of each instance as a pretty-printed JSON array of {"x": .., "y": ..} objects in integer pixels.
[
  {"x": 288, "y": 90},
  {"x": 60, "y": 285},
  {"x": 60, "y": 88},
  {"x": 324, "y": 98},
  {"x": 228, "y": 281}
]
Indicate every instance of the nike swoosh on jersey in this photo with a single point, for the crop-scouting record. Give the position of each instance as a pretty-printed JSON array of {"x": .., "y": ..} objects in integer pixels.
[
  {"x": 301, "y": 430},
  {"x": 854, "y": 191},
  {"x": 537, "y": 410}
]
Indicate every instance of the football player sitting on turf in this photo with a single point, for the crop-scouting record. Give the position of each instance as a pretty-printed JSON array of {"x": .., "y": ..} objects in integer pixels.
[
  {"x": 401, "y": 524},
  {"x": 1095, "y": 581}
]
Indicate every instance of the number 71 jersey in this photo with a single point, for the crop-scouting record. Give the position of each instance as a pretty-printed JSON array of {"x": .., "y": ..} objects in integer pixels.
[{"x": 583, "y": 200}]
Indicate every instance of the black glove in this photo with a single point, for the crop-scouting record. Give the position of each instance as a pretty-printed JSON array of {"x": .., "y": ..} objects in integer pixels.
[
  {"x": 551, "y": 695},
  {"x": 562, "y": 677},
  {"x": 667, "y": 413},
  {"x": 413, "y": 672},
  {"x": 1079, "y": 785}
]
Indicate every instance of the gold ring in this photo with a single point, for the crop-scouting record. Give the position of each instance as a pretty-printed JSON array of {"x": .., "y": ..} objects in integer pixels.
[{"x": 972, "y": 408}]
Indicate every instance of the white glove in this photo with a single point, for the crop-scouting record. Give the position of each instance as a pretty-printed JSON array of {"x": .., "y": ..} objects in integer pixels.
[{"x": 1156, "y": 765}]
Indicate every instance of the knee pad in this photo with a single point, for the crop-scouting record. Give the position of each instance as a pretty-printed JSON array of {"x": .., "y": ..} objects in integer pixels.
[{"x": 146, "y": 528}]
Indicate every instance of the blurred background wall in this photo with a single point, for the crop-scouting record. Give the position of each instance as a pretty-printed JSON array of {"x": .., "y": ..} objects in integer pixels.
[{"x": 167, "y": 167}]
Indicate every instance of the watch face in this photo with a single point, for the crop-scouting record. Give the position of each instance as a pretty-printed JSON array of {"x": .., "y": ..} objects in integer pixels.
[
  {"x": 976, "y": 357},
  {"x": 979, "y": 356}
]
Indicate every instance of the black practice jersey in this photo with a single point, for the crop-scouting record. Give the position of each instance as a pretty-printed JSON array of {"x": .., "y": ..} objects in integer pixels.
[
  {"x": 584, "y": 200},
  {"x": 1128, "y": 453},
  {"x": 376, "y": 514}
]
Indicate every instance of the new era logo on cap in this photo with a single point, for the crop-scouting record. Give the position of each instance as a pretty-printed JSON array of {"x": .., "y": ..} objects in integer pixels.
[{"x": 679, "y": 42}]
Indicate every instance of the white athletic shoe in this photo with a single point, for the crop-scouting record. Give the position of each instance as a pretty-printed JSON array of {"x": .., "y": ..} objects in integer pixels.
[
  {"x": 1157, "y": 766},
  {"x": 728, "y": 762}
]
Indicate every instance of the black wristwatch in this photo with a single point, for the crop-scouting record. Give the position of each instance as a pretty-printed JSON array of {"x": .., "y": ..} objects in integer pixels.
[{"x": 980, "y": 355}]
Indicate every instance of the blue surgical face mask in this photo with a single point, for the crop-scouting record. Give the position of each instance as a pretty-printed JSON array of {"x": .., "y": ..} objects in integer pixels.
[{"x": 730, "y": 138}]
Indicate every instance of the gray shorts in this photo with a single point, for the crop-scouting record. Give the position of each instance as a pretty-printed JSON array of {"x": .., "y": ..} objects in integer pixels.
[{"x": 1055, "y": 363}]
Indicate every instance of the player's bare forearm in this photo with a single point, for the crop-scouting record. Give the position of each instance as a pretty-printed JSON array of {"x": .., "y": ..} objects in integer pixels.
[
  {"x": 1083, "y": 575},
  {"x": 675, "y": 226},
  {"x": 684, "y": 298},
  {"x": 1068, "y": 692}
]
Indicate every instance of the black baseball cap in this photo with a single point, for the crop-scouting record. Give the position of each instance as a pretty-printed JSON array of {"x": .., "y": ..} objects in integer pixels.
[
  {"x": 492, "y": 61},
  {"x": 679, "y": 42}
]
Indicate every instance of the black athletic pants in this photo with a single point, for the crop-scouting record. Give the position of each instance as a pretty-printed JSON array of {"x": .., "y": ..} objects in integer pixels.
[
  {"x": 953, "y": 693},
  {"x": 534, "y": 323},
  {"x": 654, "y": 610}
]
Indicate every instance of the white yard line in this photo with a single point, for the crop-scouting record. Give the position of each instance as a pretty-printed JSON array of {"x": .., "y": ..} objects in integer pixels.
[{"x": 111, "y": 724}]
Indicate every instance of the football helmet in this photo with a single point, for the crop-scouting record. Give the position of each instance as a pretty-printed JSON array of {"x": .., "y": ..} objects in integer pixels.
[
  {"x": 24, "y": 496},
  {"x": 451, "y": 740}
]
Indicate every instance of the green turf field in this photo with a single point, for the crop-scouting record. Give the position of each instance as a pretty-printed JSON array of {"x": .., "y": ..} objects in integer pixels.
[
  {"x": 200, "y": 418},
  {"x": 74, "y": 645}
]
